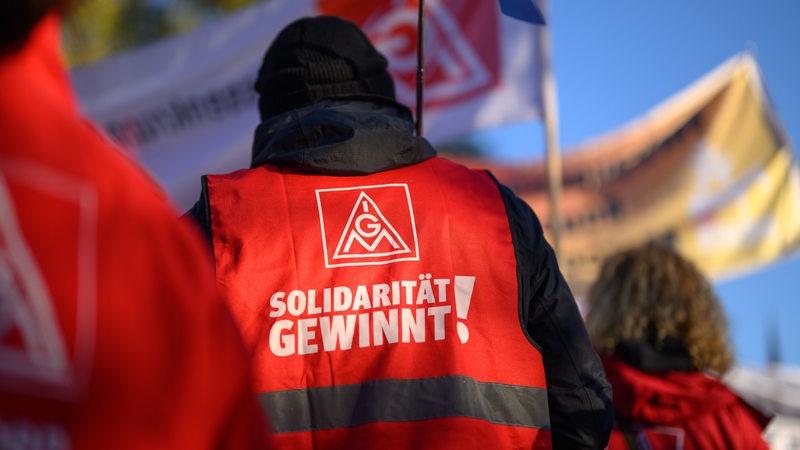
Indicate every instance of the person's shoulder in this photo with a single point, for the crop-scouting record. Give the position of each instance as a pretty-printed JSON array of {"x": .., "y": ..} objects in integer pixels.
[
  {"x": 130, "y": 203},
  {"x": 121, "y": 179}
]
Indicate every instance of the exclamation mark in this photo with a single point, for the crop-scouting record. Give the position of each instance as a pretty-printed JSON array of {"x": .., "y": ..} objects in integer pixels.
[{"x": 463, "y": 287}]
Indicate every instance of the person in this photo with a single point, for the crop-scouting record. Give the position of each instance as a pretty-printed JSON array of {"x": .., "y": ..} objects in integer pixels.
[
  {"x": 662, "y": 335},
  {"x": 112, "y": 333},
  {"x": 390, "y": 298}
]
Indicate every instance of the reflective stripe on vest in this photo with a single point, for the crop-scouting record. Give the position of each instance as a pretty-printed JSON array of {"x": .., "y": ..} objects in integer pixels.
[{"x": 449, "y": 396}]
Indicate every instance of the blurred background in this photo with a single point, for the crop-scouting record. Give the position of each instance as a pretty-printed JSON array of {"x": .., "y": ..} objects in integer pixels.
[{"x": 713, "y": 84}]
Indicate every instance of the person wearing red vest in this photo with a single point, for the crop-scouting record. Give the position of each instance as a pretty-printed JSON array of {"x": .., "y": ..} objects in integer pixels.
[
  {"x": 112, "y": 335},
  {"x": 662, "y": 335},
  {"x": 390, "y": 298}
]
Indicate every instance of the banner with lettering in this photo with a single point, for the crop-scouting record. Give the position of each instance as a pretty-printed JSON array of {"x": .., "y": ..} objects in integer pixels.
[
  {"x": 185, "y": 107},
  {"x": 710, "y": 170}
]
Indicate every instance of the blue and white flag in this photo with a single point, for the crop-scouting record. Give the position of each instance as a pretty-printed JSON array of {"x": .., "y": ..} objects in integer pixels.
[{"x": 526, "y": 10}]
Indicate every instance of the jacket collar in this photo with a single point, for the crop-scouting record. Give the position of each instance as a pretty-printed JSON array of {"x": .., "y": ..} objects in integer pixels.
[{"x": 341, "y": 137}]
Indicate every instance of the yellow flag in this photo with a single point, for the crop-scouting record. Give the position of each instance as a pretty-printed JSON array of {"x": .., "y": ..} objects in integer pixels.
[{"x": 710, "y": 170}]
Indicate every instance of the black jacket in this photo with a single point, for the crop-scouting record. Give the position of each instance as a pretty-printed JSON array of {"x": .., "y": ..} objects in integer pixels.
[{"x": 352, "y": 137}]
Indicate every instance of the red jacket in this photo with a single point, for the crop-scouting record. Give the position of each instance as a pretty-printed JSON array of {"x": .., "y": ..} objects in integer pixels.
[
  {"x": 679, "y": 410},
  {"x": 377, "y": 315},
  {"x": 111, "y": 334}
]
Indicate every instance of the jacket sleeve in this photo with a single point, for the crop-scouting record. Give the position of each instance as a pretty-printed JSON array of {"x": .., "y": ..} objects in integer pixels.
[
  {"x": 579, "y": 395},
  {"x": 199, "y": 214}
]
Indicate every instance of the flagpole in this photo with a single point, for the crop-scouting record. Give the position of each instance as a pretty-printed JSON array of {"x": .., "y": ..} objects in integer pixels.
[
  {"x": 420, "y": 63},
  {"x": 550, "y": 112}
]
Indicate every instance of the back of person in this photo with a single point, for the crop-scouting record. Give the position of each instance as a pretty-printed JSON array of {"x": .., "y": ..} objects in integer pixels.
[
  {"x": 662, "y": 336},
  {"x": 112, "y": 334},
  {"x": 390, "y": 298}
]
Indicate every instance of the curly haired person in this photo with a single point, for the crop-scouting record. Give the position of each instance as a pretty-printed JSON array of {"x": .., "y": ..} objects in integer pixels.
[{"x": 662, "y": 334}]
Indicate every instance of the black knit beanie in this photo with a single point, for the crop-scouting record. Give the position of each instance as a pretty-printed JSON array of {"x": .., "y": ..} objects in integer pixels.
[{"x": 320, "y": 57}]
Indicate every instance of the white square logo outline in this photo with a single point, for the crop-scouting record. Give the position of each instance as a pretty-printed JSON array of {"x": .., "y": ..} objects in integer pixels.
[{"x": 329, "y": 258}]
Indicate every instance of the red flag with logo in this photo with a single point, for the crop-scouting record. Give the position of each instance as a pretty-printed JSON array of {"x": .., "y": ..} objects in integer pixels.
[{"x": 481, "y": 67}]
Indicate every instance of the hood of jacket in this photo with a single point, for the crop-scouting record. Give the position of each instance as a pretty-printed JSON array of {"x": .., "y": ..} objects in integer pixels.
[
  {"x": 350, "y": 136},
  {"x": 665, "y": 398}
]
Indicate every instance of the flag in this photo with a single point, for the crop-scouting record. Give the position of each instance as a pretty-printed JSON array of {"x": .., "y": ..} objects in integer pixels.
[
  {"x": 710, "y": 171},
  {"x": 523, "y": 10},
  {"x": 482, "y": 68},
  {"x": 185, "y": 106}
]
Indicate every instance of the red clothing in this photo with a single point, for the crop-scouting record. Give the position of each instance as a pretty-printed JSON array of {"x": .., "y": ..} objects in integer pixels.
[
  {"x": 374, "y": 317},
  {"x": 111, "y": 333},
  {"x": 679, "y": 410}
]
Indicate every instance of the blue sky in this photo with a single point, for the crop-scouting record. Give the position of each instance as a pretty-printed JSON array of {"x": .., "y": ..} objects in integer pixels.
[{"x": 614, "y": 60}]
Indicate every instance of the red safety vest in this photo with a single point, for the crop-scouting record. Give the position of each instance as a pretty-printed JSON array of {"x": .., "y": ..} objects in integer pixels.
[{"x": 381, "y": 310}]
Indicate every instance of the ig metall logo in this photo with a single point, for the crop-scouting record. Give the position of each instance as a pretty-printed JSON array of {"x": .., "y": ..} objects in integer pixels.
[{"x": 367, "y": 225}]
